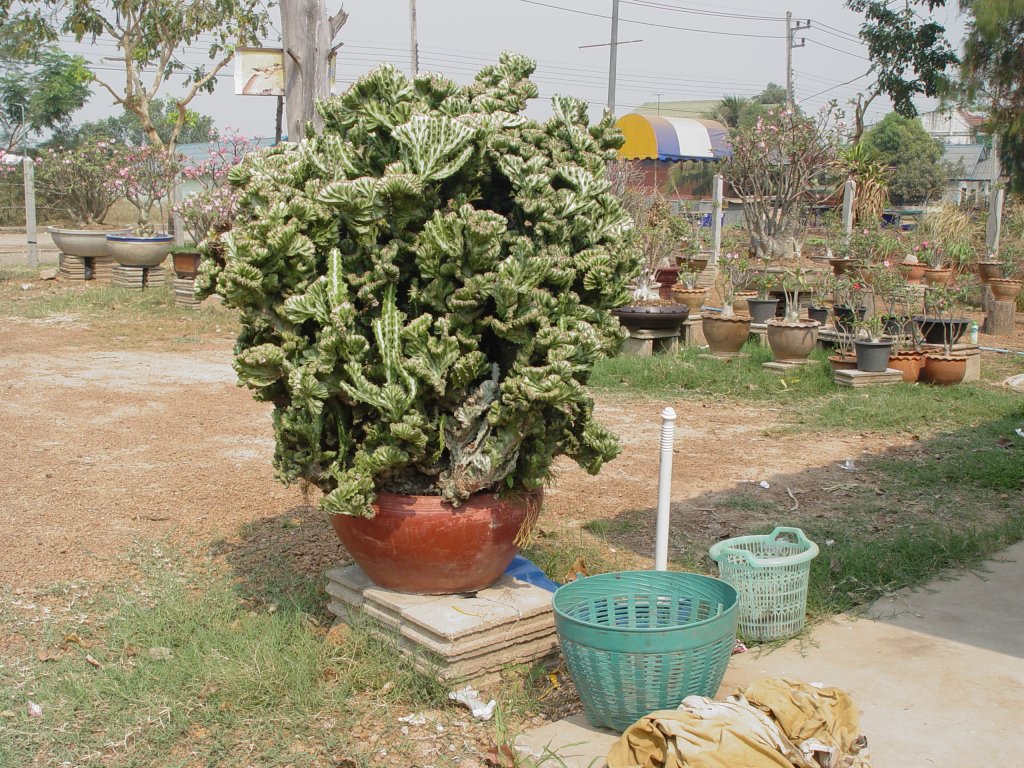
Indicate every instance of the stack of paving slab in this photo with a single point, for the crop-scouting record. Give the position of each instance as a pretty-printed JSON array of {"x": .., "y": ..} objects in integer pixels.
[
  {"x": 137, "y": 278},
  {"x": 458, "y": 638},
  {"x": 86, "y": 267},
  {"x": 184, "y": 292}
]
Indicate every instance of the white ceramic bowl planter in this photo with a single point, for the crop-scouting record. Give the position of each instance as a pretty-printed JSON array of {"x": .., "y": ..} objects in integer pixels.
[
  {"x": 131, "y": 251},
  {"x": 84, "y": 243}
]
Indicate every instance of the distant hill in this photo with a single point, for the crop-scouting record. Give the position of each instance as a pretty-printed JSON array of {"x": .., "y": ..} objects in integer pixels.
[{"x": 678, "y": 108}]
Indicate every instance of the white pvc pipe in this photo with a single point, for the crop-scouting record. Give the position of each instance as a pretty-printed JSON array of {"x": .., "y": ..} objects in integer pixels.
[{"x": 668, "y": 431}]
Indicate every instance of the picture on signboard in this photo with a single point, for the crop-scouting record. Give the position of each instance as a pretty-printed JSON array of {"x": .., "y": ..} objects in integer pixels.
[{"x": 259, "y": 72}]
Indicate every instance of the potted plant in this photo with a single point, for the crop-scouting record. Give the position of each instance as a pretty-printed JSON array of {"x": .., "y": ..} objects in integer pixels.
[
  {"x": 943, "y": 304},
  {"x": 892, "y": 294},
  {"x": 211, "y": 207},
  {"x": 145, "y": 177},
  {"x": 685, "y": 291},
  {"x": 847, "y": 303},
  {"x": 73, "y": 180},
  {"x": 989, "y": 268},
  {"x": 818, "y": 309},
  {"x": 911, "y": 269},
  {"x": 725, "y": 331},
  {"x": 872, "y": 349},
  {"x": 790, "y": 338},
  {"x": 656, "y": 237},
  {"x": 424, "y": 316},
  {"x": 763, "y": 306},
  {"x": 938, "y": 271},
  {"x": 1006, "y": 287}
]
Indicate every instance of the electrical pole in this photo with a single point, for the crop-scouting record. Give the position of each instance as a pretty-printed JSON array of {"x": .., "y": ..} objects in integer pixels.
[
  {"x": 613, "y": 48},
  {"x": 414, "y": 49},
  {"x": 790, "y": 45}
]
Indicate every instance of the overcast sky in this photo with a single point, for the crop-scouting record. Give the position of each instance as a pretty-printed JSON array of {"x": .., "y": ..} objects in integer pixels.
[{"x": 689, "y": 50}]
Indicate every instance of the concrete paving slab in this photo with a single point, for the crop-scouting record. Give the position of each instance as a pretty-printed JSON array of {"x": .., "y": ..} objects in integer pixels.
[{"x": 938, "y": 673}]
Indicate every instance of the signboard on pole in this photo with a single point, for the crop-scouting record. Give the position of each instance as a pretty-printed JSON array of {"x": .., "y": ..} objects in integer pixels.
[{"x": 260, "y": 71}]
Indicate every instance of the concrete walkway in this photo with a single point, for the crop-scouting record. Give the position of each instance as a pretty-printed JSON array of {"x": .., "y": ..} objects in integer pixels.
[
  {"x": 938, "y": 674},
  {"x": 14, "y": 248}
]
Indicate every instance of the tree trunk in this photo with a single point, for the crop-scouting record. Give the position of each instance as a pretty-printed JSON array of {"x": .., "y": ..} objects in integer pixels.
[
  {"x": 307, "y": 34},
  {"x": 1000, "y": 318}
]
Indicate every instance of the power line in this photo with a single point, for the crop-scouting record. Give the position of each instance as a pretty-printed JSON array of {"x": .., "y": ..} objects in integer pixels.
[
  {"x": 698, "y": 12},
  {"x": 838, "y": 32},
  {"x": 840, "y": 50},
  {"x": 832, "y": 88},
  {"x": 651, "y": 23}
]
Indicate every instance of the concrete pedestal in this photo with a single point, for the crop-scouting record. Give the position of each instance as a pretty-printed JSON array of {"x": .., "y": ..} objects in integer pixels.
[
  {"x": 457, "y": 638},
  {"x": 85, "y": 267},
  {"x": 644, "y": 343},
  {"x": 692, "y": 333},
  {"x": 183, "y": 292},
  {"x": 137, "y": 278},
  {"x": 851, "y": 377}
]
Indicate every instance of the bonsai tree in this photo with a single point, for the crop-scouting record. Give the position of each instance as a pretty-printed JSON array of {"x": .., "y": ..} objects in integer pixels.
[
  {"x": 794, "y": 282},
  {"x": 945, "y": 303},
  {"x": 425, "y": 287},
  {"x": 145, "y": 177},
  {"x": 74, "y": 181},
  {"x": 656, "y": 235},
  {"x": 733, "y": 271}
]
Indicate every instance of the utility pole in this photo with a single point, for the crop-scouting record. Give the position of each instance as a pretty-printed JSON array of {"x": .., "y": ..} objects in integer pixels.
[
  {"x": 613, "y": 48},
  {"x": 790, "y": 45},
  {"x": 659, "y": 95},
  {"x": 414, "y": 49}
]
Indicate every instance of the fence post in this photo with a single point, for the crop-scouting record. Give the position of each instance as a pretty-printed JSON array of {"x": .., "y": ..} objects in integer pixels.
[
  {"x": 179, "y": 223},
  {"x": 849, "y": 197},
  {"x": 30, "y": 211},
  {"x": 716, "y": 218}
]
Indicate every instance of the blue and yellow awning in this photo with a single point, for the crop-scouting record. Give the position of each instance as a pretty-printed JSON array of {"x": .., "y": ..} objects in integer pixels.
[{"x": 652, "y": 137}]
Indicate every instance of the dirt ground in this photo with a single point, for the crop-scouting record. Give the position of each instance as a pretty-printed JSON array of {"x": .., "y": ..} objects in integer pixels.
[{"x": 104, "y": 447}]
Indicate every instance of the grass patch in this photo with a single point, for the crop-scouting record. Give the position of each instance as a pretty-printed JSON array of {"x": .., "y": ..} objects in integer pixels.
[{"x": 229, "y": 686}]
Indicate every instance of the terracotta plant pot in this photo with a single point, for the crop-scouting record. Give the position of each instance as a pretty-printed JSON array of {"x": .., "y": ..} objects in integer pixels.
[
  {"x": 944, "y": 370},
  {"x": 1004, "y": 289},
  {"x": 792, "y": 342},
  {"x": 872, "y": 356},
  {"x": 129, "y": 251},
  {"x": 842, "y": 362},
  {"x": 638, "y": 317},
  {"x": 725, "y": 335},
  {"x": 909, "y": 364},
  {"x": 666, "y": 277},
  {"x": 693, "y": 298},
  {"x": 762, "y": 310},
  {"x": 739, "y": 302},
  {"x": 937, "y": 276},
  {"x": 186, "y": 263},
  {"x": 424, "y": 545},
  {"x": 842, "y": 266},
  {"x": 912, "y": 273},
  {"x": 988, "y": 270}
]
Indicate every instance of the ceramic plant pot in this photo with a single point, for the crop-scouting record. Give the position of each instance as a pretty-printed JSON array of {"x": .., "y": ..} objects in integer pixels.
[
  {"x": 872, "y": 356},
  {"x": 909, "y": 364},
  {"x": 693, "y": 298},
  {"x": 842, "y": 362},
  {"x": 944, "y": 370},
  {"x": 937, "y": 276},
  {"x": 1004, "y": 289},
  {"x": 638, "y": 317},
  {"x": 842, "y": 266},
  {"x": 846, "y": 317},
  {"x": 666, "y": 277},
  {"x": 912, "y": 273},
  {"x": 739, "y": 302},
  {"x": 935, "y": 330},
  {"x": 83, "y": 243},
  {"x": 725, "y": 335},
  {"x": 762, "y": 310},
  {"x": 424, "y": 545},
  {"x": 818, "y": 314},
  {"x": 186, "y": 263},
  {"x": 792, "y": 342},
  {"x": 130, "y": 251},
  {"x": 988, "y": 270}
]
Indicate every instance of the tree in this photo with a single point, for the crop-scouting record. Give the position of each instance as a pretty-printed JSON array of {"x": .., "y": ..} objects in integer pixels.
[
  {"x": 992, "y": 73},
  {"x": 127, "y": 129},
  {"x": 308, "y": 35},
  {"x": 772, "y": 94},
  {"x": 914, "y": 157},
  {"x": 909, "y": 55},
  {"x": 735, "y": 112},
  {"x": 39, "y": 94},
  {"x": 150, "y": 34}
]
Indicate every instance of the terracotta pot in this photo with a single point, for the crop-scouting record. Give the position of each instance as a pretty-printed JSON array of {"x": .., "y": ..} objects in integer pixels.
[
  {"x": 872, "y": 356},
  {"x": 842, "y": 362},
  {"x": 762, "y": 310},
  {"x": 424, "y": 545},
  {"x": 842, "y": 266},
  {"x": 638, "y": 317},
  {"x": 988, "y": 270},
  {"x": 739, "y": 302},
  {"x": 725, "y": 335},
  {"x": 937, "y": 276},
  {"x": 693, "y": 298},
  {"x": 666, "y": 277},
  {"x": 792, "y": 342},
  {"x": 1004, "y": 289},
  {"x": 186, "y": 263},
  {"x": 909, "y": 364},
  {"x": 912, "y": 273},
  {"x": 944, "y": 370}
]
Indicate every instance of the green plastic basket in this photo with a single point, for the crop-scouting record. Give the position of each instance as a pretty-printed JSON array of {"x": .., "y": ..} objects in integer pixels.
[
  {"x": 638, "y": 641},
  {"x": 771, "y": 574}
]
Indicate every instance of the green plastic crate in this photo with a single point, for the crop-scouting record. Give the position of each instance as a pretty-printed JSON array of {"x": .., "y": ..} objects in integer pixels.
[
  {"x": 638, "y": 641},
  {"x": 771, "y": 575}
]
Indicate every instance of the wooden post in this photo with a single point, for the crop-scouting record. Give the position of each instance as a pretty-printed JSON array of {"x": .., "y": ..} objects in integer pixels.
[
  {"x": 30, "y": 212},
  {"x": 179, "y": 223},
  {"x": 307, "y": 34},
  {"x": 716, "y": 217},
  {"x": 995, "y": 220},
  {"x": 849, "y": 197},
  {"x": 1000, "y": 318}
]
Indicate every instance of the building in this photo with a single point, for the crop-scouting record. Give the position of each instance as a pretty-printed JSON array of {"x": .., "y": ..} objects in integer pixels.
[
  {"x": 952, "y": 126},
  {"x": 969, "y": 178}
]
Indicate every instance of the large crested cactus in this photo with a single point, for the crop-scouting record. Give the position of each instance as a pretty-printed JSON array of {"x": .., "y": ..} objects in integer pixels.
[{"x": 424, "y": 287}]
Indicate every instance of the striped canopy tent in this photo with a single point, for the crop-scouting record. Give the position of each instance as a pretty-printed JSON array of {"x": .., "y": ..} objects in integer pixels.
[{"x": 652, "y": 137}]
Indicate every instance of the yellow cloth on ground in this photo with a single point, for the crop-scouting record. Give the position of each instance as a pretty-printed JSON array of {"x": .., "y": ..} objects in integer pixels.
[{"x": 783, "y": 725}]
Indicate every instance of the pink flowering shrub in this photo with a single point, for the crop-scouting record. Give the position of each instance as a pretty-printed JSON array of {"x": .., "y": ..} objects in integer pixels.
[
  {"x": 145, "y": 177},
  {"x": 74, "y": 180},
  {"x": 212, "y": 207}
]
